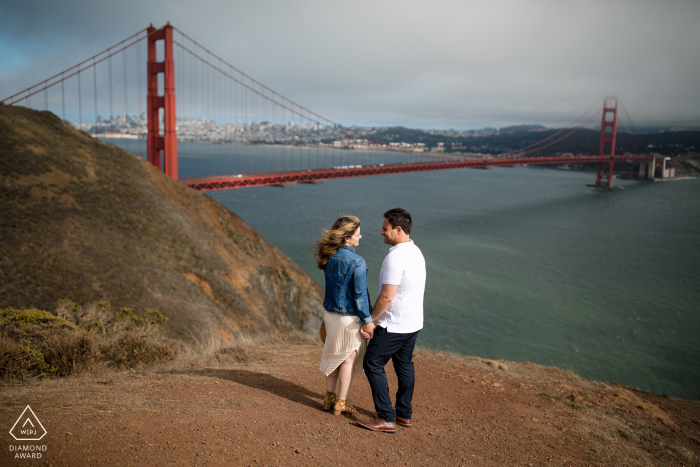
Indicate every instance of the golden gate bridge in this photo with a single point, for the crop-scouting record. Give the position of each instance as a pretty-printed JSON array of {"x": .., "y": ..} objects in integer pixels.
[{"x": 261, "y": 137}]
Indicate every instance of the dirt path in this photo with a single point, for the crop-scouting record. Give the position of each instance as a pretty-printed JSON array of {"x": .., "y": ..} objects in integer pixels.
[{"x": 265, "y": 411}]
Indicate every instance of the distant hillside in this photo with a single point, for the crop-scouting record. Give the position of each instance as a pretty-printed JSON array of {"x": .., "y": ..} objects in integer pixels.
[
  {"x": 86, "y": 221},
  {"x": 519, "y": 128},
  {"x": 583, "y": 141}
]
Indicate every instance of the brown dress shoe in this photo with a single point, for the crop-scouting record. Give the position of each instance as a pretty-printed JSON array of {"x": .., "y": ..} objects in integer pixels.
[
  {"x": 378, "y": 425},
  {"x": 330, "y": 400},
  {"x": 343, "y": 406},
  {"x": 404, "y": 422}
]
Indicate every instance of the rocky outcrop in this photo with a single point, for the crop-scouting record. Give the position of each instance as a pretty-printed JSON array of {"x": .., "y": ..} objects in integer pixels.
[
  {"x": 687, "y": 165},
  {"x": 83, "y": 220}
]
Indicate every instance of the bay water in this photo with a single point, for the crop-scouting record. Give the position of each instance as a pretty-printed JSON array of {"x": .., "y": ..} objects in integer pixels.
[{"x": 526, "y": 263}]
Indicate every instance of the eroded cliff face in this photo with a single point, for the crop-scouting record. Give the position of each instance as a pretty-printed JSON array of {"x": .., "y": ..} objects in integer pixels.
[
  {"x": 687, "y": 165},
  {"x": 83, "y": 220}
]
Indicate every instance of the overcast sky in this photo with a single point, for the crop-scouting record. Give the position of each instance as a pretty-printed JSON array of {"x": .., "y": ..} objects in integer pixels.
[{"x": 430, "y": 64}]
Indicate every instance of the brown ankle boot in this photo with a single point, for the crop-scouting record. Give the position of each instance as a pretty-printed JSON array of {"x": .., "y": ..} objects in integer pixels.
[
  {"x": 330, "y": 400},
  {"x": 343, "y": 405}
]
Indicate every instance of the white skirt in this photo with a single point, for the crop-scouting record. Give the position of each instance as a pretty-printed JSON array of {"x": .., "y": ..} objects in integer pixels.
[{"x": 342, "y": 338}]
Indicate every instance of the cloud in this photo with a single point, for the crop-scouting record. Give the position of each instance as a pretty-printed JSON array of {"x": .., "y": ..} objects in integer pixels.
[{"x": 459, "y": 64}]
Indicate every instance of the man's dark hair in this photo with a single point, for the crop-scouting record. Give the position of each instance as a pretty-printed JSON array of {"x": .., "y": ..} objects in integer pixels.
[{"x": 398, "y": 217}]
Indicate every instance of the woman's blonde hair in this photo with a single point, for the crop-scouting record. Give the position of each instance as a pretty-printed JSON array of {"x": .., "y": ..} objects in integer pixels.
[{"x": 334, "y": 238}]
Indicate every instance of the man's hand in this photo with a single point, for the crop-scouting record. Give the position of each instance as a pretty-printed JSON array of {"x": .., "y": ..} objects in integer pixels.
[{"x": 367, "y": 330}]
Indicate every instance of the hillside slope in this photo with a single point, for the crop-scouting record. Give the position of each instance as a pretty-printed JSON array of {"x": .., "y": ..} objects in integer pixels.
[{"x": 83, "y": 220}]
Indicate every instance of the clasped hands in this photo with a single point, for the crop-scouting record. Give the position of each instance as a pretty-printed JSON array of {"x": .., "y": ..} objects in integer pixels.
[{"x": 367, "y": 330}]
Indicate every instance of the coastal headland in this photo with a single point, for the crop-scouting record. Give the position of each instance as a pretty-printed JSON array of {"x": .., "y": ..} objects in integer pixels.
[
  {"x": 236, "y": 381},
  {"x": 85, "y": 221}
]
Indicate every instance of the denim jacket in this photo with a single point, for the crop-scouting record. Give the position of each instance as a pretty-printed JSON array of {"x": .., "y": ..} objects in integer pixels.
[{"x": 346, "y": 285}]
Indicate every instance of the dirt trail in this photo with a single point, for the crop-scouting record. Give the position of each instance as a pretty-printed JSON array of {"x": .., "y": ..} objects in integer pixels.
[{"x": 266, "y": 410}]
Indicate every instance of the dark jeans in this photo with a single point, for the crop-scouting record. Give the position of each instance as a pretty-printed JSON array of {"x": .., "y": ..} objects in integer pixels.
[{"x": 399, "y": 348}]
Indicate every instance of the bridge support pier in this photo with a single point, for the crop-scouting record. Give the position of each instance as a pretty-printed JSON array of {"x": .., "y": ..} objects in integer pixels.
[
  {"x": 155, "y": 142},
  {"x": 605, "y": 173},
  {"x": 656, "y": 168}
]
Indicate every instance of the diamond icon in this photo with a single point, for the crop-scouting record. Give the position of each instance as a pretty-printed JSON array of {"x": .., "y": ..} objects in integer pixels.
[{"x": 28, "y": 427}]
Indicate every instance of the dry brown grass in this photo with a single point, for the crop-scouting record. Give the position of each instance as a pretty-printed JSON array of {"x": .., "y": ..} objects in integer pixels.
[
  {"x": 212, "y": 349},
  {"x": 35, "y": 343},
  {"x": 95, "y": 339}
]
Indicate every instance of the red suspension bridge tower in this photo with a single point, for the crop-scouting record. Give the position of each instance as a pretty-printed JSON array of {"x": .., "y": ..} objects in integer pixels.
[
  {"x": 155, "y": 142},
  {"x": 608, "y": 135}
]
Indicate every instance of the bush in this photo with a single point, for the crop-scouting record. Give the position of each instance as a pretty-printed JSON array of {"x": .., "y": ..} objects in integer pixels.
[
  {"x": 20, "y": 361},
  {"x": 131, "y": 349},
  {"x": 76, "y": 339}
]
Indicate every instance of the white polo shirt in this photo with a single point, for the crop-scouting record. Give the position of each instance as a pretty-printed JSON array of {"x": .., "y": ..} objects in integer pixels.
[{"x": 403, "y": 266}]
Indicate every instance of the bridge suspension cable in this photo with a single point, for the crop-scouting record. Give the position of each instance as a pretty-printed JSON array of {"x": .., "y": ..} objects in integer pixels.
[
  {"x": 252, "y": 120},
  {"x": 49, "y": 82},
  {"x": 291, "y": 103},
  {"x": 520, "y": 151},
  {"x": 636, "y": 133}
]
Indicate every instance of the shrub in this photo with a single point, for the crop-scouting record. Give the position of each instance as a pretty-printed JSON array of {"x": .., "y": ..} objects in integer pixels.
[
  {"x": 71, "y": 354},
  {"x": 76, "y": 339},
  {"x": 131, "y": 349},
  {"x": 21, "y": 361}
]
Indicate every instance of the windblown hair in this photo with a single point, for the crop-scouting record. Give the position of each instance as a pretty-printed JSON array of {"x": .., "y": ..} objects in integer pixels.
[{"x": 334, "y": 238}]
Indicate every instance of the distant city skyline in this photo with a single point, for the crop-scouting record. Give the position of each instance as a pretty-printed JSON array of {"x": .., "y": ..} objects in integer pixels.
[
  {"x": 265, "y": 132},
  {"x": 428, "y": 65}
]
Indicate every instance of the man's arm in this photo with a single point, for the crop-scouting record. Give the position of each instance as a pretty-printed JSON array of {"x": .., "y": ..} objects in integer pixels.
[
  {"x": 384, "y": 300},
  {"x": 380, "y": 306}
]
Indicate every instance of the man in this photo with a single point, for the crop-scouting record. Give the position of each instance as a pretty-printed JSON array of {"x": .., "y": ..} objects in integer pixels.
[{"x": 398, "y": 315}]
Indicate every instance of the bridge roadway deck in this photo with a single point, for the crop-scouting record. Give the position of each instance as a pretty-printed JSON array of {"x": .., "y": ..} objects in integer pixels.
[{"x": 305, "y": 176}]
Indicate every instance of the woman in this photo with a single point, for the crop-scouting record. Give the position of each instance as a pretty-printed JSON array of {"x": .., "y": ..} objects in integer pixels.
[{"x": 347, "y": 306}]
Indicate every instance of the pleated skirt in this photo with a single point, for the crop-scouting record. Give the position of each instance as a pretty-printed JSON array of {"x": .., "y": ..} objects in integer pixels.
[{"x": 342, "y": 338}]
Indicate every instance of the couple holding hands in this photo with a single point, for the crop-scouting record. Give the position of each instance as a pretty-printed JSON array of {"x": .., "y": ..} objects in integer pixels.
[{"x": 359, "y": 336}]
